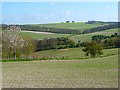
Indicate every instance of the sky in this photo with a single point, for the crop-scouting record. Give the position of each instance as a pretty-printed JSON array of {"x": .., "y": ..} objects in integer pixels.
[{"x": 52, "y": 12}]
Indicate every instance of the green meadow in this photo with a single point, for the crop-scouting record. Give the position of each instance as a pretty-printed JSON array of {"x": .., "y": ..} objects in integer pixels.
[
  {"x": 77, "y": 25},
  {"x": 71, "y": 53},
  {"x": 42, "y": 36}
]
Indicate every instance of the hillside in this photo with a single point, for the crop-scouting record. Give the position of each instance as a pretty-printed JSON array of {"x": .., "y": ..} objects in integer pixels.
[
  {"x": 87, "y": 37},
  {"x": 81, "y": 26},
  {"x": 41, "y": 36},
  {"x": 70, "y": 53},
  {"x": 64, "y": 28},
  {"x": 81, "y": 37}
]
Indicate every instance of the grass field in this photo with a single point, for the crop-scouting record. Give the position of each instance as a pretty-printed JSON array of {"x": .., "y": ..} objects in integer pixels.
[
  {"x": 88, "y": 37},
  {"x": 90, "y": 73},
  {"x": 70, "y": 53},
  {"x": 78, "y": 25},
  {"x": 42, "y": 36},
  {"x": 82, "y": 37}
]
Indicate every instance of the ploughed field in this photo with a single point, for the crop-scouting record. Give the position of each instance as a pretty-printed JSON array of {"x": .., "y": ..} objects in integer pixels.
[{"x": 87, "y": 73}]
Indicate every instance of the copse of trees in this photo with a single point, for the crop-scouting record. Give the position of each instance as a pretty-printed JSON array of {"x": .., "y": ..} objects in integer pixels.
[
  {"x": 112, "y": 41},
  {"x": 73, "y": 21},
  {"x": 67, "y": 21},
  {"x": 92, "y": 48},
  {"x": 55, "y": 43},
  {"x": 99, "y": 38},
  {"x": 98, "y": 42},
  {"x": 46, "y": 44},
  {"x": 94, "y": 22}
]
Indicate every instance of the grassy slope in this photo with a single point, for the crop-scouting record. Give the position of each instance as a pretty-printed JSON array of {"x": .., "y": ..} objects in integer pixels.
[
  {"x": 82, "y": 37},
  {"x": 97, "y": 73},
  {"x": 42, "y": 36},
  {"x": 70, "y": 53},
  {"x": 87, "y": 37},
  {"x": 79, "y": 25}
]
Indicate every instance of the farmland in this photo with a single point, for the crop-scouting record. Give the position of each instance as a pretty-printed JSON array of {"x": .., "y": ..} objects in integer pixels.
[
  {"x": 81, "y": 37},
  {"x": 78, "y": 25},
  {"x": 89, "y": 73},
  {"x": 70, "y": 53},
  {"x": 59, "y": 45},
  {"x": 40, "y": 36},
  {"x": 77, "y": 71}
]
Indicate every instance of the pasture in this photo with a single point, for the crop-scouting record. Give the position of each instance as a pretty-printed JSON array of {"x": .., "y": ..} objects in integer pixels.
[
  {"x": 70, "y": 53},
  {"x": 81, "y": 26},
  {"x": 81, "y": 37},
  {"x": 41, "y": 36},
  {"x": 88, "y": 73}
]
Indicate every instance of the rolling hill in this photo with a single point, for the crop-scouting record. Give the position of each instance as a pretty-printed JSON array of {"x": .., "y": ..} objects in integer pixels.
[
  {"x": 81, "y": 26},
  {"x": 87, "y": 37},
  {"x": 64, "y": 28}
]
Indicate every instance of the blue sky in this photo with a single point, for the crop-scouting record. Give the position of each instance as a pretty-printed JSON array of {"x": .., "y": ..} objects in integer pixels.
[{"x": 51, "y": 12}]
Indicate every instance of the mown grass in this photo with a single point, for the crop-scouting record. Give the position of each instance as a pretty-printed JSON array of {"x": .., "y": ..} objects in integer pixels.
[
  {"x": 89, "y": 73},
  {"x": 78, "y": 25},
  {"x": 88, "y": 37}
]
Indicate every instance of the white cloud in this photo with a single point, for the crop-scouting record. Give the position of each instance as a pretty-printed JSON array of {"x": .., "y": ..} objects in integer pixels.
[
  {"x": 81, "y": 14},
  {"x": 37, "y": 15},
  {"x": 67, "y": 13},
  {"x": 51, "y": 3},
  {"x": 108, "y": 7}
]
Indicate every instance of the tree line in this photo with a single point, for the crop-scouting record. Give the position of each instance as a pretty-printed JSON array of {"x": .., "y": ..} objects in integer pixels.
[
  {"x": 45, "y": 29},
  {"x": 102, "y": 28},
  {"x": 55, "y": 43}
]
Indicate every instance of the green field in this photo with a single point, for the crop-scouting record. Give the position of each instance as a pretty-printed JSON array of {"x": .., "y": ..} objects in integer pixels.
[
  {"x": 82, "y": 37},
  {"x": 88, "y": 37},
  {"x": 70, "y": 53},
  {"x": 42, "y": 36},
  {"x": 89, "y": 73},
  {"x": 78, "y": 25}
]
